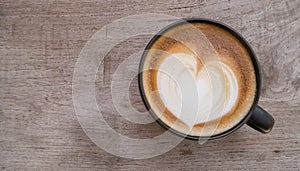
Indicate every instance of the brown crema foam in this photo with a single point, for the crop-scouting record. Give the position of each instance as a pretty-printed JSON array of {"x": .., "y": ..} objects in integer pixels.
[{"x": 230, "y": 51}]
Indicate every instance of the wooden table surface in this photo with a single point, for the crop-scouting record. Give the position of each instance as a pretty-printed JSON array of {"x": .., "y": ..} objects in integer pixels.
[{"x": 40, "y": 42}]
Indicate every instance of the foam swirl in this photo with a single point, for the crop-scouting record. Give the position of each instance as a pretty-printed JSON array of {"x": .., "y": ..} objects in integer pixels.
[{"x": 196, "y": 94}]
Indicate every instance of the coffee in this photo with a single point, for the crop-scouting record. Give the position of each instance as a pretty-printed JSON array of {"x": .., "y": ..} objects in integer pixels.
[{"x": 199, "y": 79}]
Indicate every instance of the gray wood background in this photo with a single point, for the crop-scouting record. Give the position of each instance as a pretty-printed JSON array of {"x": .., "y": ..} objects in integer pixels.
[{"x": 40, "y": 41}]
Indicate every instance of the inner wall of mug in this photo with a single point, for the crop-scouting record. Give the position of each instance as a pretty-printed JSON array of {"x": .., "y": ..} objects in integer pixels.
[{"x": 227, "y": 123}]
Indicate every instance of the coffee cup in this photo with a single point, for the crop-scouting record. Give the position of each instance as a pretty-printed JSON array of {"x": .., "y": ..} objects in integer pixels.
[{"x": 200, "y": 79}]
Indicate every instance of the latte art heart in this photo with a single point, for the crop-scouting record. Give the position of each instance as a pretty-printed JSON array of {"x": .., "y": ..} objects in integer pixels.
[
  {"x": 196, "y": 94},
  {"x": 199, "y": 79}
]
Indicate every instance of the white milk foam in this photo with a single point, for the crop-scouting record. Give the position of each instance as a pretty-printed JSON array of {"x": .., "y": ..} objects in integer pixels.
[{"x": 196, "y": 96}]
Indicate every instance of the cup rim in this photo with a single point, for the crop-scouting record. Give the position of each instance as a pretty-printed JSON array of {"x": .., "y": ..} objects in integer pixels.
[{"x": 253, "y": 59}]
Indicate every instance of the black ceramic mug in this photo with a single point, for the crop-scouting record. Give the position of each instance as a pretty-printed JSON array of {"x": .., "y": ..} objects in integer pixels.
[{"x": 257, "y": 118}]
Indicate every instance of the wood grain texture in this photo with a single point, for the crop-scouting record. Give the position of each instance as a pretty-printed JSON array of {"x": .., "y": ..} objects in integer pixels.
[{"x": 40, "y": 42}]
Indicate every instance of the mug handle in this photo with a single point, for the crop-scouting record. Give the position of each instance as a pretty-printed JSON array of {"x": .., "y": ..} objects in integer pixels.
[{"x": 261, "y": 120}]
